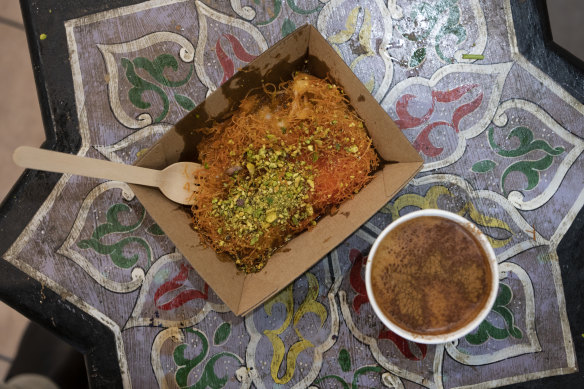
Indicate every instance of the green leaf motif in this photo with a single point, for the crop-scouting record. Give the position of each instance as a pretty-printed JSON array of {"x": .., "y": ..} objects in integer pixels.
[
  {"x": 116, "y": 250},
  {"x": 287, "y": 27},
  {"x": 297, "y": 9},
  {"x": 483, "y": 166},
  {"x": 222, "y": 333},
  {"x": 186, "y": 364},
  {"x": 113, "y": 225},
  {"x": 156, "y": 69},
  {"x": 140, "y": 87},
  {"x": 418, "y": 57},
  {"x": 451, "y": 27},
  {"x": 530, "y": 168},
  {"x": 526, "y": 143},
  {"x": 442, "y": 13},
  {"x": 208, "y": 378},
  {"x": 344, "y": 360},
  {"x": 185, "y": 102},
  {"x": 487, "y": 330}
]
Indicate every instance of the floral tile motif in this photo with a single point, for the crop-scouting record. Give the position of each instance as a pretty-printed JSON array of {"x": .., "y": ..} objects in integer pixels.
[
  {"x": 191, "y": 357},
  {"x": 542, "y": 158},
  {"x": 361, "y": 40},
  {"x": 173, "y": 295},
  {"x": 496, "y": 151},
  {"x": 429, "y": 35},
  {"x": 298, "y": 325},
  {"x": 113, "y": 252},
  {"x": 134, "y": 79},
  {"x": 438, "y": 115}
]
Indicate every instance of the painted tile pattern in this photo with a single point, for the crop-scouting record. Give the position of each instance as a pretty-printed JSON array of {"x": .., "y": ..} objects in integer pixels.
[{"x": 502, "y": 145}]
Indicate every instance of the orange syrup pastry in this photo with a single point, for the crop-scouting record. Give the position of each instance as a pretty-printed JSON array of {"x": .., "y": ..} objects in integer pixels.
[{"x": 280, "y": 162}]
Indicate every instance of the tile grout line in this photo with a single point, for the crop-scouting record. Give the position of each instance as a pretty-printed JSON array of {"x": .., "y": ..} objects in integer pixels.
[{"x": 11, "y": 23}]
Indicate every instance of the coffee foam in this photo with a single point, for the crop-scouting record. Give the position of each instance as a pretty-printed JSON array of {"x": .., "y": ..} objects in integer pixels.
[{"x": 430, "y": 276}]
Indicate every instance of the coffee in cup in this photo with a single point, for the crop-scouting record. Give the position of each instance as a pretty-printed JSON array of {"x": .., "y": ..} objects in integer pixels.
[{"x": 432, "y": 276}]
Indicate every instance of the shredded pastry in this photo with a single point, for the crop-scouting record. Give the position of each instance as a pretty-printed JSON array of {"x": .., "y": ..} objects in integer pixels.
[{"x": 284, "y": 159}]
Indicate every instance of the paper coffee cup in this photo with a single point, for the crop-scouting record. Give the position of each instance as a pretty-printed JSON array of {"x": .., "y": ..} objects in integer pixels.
[{"x": 432, "y": 276}]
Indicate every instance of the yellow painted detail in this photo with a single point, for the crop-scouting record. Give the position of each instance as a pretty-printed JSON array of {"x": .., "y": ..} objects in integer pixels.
[
  {"x": 350, "y": 26},
  {"x": 308, "y": 305},
  {"x": 486, "y": 221},
  {"x": 422, "y": 202},
  {"x": 141, "y": 152},
  {"x": 365, "y": 32},
  {"x": 370, "y": 84},
  {"x": 364, "y": 39},
  {"x": 430, "y": 201}
]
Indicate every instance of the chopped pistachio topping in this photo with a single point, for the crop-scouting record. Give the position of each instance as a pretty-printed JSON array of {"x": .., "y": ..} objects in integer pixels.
[
  {"x": 276, "y": 167},
  {"x": 279, "y": 185}
]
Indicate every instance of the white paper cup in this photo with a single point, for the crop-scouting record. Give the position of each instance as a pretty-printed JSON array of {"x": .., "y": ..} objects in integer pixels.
[{"x": 457, "y": 332}]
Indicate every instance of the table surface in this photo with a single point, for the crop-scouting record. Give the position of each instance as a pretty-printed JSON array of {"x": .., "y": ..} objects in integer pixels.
[{"x": 493, "y": 106}]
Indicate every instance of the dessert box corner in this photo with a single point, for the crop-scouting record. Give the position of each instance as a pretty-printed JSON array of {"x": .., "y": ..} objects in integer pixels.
[{"x": 303, "y": 50}]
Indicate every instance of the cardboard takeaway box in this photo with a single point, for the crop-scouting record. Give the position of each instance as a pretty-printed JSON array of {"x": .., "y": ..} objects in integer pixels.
[{"x": 305, "y": 49}]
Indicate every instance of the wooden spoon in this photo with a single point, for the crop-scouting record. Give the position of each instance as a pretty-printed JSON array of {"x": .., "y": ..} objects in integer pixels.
[{"x": 177, "y": 181}]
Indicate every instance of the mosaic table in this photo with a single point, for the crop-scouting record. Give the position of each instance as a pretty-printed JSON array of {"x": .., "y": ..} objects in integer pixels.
[{"x": 493, "y": 107}]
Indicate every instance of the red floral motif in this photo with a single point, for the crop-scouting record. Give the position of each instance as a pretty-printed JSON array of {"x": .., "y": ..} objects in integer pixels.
[
  {"x": 403, "y": 345},
  {"x": 422, "y": 142},
  {"x": 225, "y": 61},
  {"x": 357, "y": 282},
  {"x": 184, "y": 296}
]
